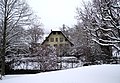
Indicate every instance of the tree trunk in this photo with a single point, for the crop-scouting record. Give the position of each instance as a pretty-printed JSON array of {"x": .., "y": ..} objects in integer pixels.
[{"x": 3, "y": 52}]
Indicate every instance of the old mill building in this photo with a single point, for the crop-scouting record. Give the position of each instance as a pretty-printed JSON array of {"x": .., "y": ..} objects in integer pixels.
[{"x": 57, "y": 38}]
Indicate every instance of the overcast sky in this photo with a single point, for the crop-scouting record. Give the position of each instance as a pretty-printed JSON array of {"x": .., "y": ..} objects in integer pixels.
[{"x": 55, "y": 13}]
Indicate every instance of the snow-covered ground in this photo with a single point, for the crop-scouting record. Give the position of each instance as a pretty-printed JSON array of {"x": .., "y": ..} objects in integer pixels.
[{"x": 87, "y": 74}]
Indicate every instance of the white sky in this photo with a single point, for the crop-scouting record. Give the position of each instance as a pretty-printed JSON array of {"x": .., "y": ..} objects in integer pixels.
[{"x": 55, "y": 13}]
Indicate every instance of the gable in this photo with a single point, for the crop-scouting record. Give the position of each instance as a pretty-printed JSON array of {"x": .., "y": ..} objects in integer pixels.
[{"x": 56, "y": 37}]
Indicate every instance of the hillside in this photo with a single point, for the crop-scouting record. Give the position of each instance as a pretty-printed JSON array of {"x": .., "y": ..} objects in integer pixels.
[{"x": 87, "y": 74}]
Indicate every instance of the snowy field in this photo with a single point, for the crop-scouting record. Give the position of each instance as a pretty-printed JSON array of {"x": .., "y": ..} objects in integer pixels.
[{"x": 87, "y": 74}]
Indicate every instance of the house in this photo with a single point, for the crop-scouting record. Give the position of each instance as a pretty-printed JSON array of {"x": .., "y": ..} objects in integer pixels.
[
  {"x": 57, "y": 38},
  {"x": 60, "y": 40}
]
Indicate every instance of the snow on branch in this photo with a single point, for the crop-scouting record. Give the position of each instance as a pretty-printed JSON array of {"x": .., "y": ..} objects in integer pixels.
[
  {"x": 113, "y": 38},
  {"x": 109, "y": 41},
  {"x": 105, "y": 29},
  {"x": 118, "y": 48},
  {"x": 108, "y": 18},
  {"x": 102, "y": 43},
  {"x": 100, "y": 27},
  {"x": 114, "y": 45},
  {"x": 115, "y": 6}
]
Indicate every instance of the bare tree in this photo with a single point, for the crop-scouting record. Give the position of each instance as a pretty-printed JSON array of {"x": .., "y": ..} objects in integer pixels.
[
  {"x": 83, "y": 45},
  {"x": 101, "y": 18},
  {"x": 13, "y": 13},
  {"x": 34, "y": 32}
]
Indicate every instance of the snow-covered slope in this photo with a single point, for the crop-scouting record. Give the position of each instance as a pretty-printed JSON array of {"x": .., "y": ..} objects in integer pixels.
[{"x": 87, "y": 74}]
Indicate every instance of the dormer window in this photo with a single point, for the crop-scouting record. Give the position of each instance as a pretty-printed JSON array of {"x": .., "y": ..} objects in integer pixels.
[
  {"x": 58, "y": 32},
  {"x": 54, "y": 33}
]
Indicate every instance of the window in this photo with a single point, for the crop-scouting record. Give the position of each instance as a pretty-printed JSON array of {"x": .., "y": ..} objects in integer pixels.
[
  {"x": 52, "y": 39},
  {"x": 58, "y": 32},
  {"x": 61, "y": 45},
  {"x": 66, "y": 45},
  {"x": 56, "y": 39},
  {"x": 61, "y": 39},
  {"x": 54, "y": 33},
  {"x": 47, "y": 44},
  {"x": 66, "y": 39},
  {"x": 48, "y": 40},
  {"x": 55, "y": 45}
]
